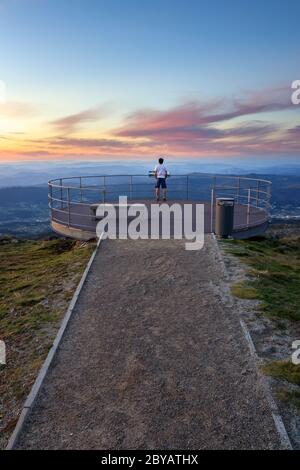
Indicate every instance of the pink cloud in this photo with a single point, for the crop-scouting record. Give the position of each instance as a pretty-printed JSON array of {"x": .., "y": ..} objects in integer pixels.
[
  {"x": 193, "y": 128},
  {"x": 195, "y": 118},
  {"x": 69, "y": 123}
]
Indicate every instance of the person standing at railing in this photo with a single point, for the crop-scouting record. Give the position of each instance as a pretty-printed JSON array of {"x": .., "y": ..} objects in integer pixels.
[{"x": 161, "y": 174}]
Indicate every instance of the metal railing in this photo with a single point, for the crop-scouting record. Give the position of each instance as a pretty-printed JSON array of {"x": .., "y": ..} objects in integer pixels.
[{"x": 70, "y": 199}]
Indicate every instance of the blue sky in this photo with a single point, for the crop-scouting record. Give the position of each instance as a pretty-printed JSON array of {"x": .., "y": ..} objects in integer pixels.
[{"x": 62, "y": 58}]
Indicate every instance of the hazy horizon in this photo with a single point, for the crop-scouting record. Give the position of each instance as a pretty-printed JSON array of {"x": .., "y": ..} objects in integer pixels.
[{"x": 37, "y": 173}]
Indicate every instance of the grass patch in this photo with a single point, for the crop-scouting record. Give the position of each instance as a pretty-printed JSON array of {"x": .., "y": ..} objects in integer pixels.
[
  {"x": 292, "y": 397},
  {"x": 274, "y": 263},
  {"x": 37, "y": 279},
  {"x": 274, "y": 267},
  {"x": 32, "y": 273},
  {"x": 284, "y": 370},
  {"x": 244, "y": 291}
]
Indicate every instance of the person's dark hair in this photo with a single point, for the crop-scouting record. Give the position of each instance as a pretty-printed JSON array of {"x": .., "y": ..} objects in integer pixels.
[{"x": 160, "y": 160}]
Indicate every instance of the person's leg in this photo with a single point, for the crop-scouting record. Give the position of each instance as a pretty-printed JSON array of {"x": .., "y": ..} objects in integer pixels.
[
  {"x": 164, "y": 186},
  {"x": 157, "y": 190}
]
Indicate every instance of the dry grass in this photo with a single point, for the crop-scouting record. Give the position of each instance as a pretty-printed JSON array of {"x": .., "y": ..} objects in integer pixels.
[
  {"x": 274, "y": 279},
  {"x": 274, "y": 266},
  {"x": 244, "y": 291},
  {"x": 288, "y": 373},
  {"x": 284, "y": 370},
  {"x": 37, "y": 279}
]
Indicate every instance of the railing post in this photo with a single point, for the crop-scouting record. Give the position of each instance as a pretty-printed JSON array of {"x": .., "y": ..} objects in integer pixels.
[
  {"x": 257, "y": 193},
  {"x": 212, "y": 206},
  {"x": 269, "y": 195},
  {"x": 248, "y": 207},
  {"x": 61, "y": 195},
  {"x": 69, "y": 209},
  {"x": 50, "y": 196},
  {"x": 238, "y": 190},
  {"x": 214, "y": 182}
]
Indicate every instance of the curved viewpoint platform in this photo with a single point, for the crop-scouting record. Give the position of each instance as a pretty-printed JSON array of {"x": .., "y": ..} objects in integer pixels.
[{"x": 73, "y": 201}]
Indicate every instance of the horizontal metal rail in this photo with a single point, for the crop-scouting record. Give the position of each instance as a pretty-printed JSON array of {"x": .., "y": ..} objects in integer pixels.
[{"x": 70, "y": 199}]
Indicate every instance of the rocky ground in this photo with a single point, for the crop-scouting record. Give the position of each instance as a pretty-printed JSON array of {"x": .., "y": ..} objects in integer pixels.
[{"x": 265, "y": 275}]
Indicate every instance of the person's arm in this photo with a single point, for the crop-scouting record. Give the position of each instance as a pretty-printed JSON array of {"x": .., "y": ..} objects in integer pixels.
[{"x": 155, "y": 172}]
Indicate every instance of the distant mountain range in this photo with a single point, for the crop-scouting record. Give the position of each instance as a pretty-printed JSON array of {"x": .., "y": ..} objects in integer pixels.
[{"x": 31, "y": 174}]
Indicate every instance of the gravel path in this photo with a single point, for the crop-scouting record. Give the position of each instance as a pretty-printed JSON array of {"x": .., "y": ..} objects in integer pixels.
[{"x": 153, "y": 358}]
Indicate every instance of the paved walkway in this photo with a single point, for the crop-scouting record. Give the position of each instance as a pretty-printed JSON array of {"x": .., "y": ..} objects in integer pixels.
[{"x": 154, "y": 358}]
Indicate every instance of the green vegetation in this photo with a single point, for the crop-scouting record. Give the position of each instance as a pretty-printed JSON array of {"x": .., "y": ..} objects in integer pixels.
[
  {"x": 289, "y": 372},
  {"x": 275, "y": 274},
  {"x": 284, "y": 370},
  {"x": 290, "y": 396},
  {"x": 31, "y": 272},
  {"x": 274, "y": 269},
  {"x": 244, "y": 291},
  {"x": 37, "y": 279}
]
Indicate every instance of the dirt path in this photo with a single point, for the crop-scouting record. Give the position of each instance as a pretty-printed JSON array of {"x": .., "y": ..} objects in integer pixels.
[{"x": 154, "y": 358}]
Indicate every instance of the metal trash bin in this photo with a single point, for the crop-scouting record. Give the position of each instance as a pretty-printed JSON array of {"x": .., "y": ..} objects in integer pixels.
[{"x": 224, "y": 216}]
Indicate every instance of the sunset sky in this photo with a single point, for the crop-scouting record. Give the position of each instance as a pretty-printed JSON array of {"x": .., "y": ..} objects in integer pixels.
[{"x": 114, "y": 79}]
